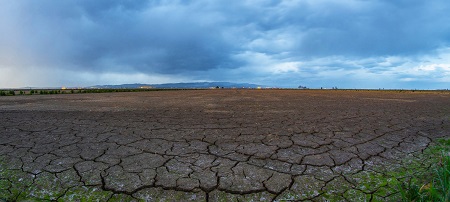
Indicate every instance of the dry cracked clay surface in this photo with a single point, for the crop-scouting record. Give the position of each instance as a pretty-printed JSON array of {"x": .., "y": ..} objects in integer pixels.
[{"x": 207, "y": 145}]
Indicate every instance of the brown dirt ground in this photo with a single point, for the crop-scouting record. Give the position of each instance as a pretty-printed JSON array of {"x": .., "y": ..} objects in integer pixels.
[{"x": 213, "y": 144}]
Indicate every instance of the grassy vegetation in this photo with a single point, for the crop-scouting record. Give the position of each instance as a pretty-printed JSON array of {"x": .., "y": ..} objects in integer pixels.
[
  {"x": 436, "y": 187},
  {"x": 421, "y": 176},
  {"x": 16, "y": 185}
]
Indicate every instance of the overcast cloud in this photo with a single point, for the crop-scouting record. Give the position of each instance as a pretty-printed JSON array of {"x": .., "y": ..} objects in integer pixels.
[{"x": 345, "y": 43}]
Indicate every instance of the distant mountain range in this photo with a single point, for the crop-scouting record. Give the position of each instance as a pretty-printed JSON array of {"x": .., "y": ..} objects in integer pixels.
[{"x": 183, "y": 85}]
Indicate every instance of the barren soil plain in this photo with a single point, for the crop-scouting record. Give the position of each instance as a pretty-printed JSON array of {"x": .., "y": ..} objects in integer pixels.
[{"x": 215, "y": 145}]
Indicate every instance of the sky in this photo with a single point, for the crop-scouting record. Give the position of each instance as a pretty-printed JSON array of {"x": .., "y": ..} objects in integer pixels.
[{"x": 284, "y": 43}]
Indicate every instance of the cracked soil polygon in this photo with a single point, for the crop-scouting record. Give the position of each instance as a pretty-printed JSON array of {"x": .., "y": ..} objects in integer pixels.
[{"x": 215, "y": 145}]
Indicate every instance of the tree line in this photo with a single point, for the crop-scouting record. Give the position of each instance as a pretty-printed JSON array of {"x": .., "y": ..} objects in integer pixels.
[{"x": 72, "y": 91}]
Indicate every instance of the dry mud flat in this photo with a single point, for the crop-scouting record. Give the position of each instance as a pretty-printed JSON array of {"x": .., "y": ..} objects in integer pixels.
[{"x": 214, "y": 144}]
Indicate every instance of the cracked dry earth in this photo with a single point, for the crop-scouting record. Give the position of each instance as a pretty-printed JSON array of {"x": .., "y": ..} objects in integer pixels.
[{"x": 213, "y": 145}]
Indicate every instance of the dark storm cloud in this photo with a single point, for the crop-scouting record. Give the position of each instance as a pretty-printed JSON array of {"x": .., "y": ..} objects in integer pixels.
[
  {"x": 362, "y": 28},
  {"x": 380, "y": 28},
  {"x": 116, "y": 35},
  {"x": 211, "y": 37}
]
